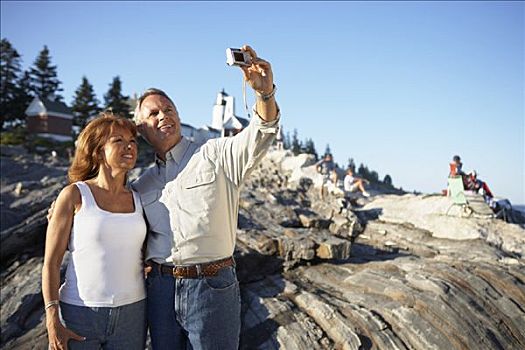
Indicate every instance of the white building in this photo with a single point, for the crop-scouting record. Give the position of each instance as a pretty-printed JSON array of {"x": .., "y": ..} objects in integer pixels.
[
  {"x": 224, "y": 118},
  {"x": 200, "y": 135}
]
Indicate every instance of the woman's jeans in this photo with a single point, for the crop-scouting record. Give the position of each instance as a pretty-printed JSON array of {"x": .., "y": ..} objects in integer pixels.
[
  {"x": 199, "y": 313},
  {"x": 110, "y": 328}
]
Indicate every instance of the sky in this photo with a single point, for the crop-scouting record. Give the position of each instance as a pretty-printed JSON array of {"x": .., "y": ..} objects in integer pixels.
[{"x": 399, "y": 86}]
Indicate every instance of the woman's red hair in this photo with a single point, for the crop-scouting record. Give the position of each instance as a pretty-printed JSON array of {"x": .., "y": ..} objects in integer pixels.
[{"x": 86, "y": 162}]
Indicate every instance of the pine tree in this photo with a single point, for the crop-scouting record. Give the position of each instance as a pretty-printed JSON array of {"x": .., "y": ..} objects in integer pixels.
[
  {"x": 85, "y": 103},
  {"x": 23, "y": 96},
  {"x": 44, "y": 77},
  {"x": 387, "y": 180},
  {"x": 115, "y": 101},
  {"x": 373, "y": 176},
  {"x": 362, "y": 171},
  {"x": 287, "y": 143},
  {"x": 296, "y": 144},
  {"x": 309, "y": 147},
  {"x": 327, "y": 149},
  {"x": 351, "y": 164},
  {"x": 10, "y": 68}
]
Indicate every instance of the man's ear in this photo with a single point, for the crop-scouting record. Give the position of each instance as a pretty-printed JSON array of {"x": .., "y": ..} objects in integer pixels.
[{"x": 141, "y": 129}]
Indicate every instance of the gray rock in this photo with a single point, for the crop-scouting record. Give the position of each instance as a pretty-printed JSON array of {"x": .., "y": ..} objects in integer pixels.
[{"x": 396, "y": 273}]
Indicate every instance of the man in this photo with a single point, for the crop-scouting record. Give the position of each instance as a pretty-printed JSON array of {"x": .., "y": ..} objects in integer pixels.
[
  {"x": 456, "y": 167},
  {"x": 352, "y": 183},
  {"x": 190, "y": 198},
  {"x": 326, "y": 167}
]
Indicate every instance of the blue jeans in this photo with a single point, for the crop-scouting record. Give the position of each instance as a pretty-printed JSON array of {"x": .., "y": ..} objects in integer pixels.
[
  {"x": 201, "y": 313},
  {"x": 122, "y": 327}
]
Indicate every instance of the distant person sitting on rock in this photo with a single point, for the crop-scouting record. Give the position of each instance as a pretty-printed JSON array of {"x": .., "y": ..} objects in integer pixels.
[
  {"x": 353, "y": 183},
  {"x": 456, "y": 167},
  {"x": 474, "y": 184},
  {"x": 100, "y": 220},
  {"x": 326, "y": 167}
]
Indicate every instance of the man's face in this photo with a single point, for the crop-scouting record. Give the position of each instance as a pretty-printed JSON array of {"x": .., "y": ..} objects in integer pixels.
[
  {"x": 159, "y": 123},
  {"x": 328, "y": 158}
]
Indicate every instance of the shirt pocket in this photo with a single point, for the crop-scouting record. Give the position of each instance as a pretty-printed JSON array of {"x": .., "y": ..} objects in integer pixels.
[
  {"x": 153, "y": 208},
  {"x": 199, "y": 180},
  {"x": 198, "y": 192}
]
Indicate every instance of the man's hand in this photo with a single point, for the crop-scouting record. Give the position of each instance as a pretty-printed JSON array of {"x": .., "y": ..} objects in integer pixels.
[
  {"x": 260, "y": 77},
  {"x": 259, "y": 74}
]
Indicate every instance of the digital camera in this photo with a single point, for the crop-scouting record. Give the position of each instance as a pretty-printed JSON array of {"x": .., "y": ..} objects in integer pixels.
[{"x": 237, "y": 57}]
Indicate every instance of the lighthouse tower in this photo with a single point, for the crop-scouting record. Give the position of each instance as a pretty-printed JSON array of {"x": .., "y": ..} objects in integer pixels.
[{"x": 224, "y": 118}]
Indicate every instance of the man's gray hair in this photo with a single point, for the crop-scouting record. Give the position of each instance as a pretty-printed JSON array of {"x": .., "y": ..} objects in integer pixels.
[{"x": 148, "y": 92}]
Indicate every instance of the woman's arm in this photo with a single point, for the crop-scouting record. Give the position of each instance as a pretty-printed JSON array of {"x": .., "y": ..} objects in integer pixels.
[{"x": 57, "y": 238}]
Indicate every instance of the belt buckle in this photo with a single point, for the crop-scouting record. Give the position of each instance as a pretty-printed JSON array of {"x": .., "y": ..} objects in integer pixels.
[
  {"x": 178, "y": 271},
  {"x": 200, "y": 273}
]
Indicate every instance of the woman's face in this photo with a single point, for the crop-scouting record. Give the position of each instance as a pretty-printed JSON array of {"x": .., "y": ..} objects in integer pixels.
[{"x": 120, "y": 149}]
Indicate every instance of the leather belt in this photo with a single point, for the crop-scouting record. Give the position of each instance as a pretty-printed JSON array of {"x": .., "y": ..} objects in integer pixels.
[{"x": 193, "y": 271}]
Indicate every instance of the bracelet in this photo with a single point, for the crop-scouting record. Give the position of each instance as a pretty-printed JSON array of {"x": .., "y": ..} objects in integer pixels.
[
  {"x": 268, "y": 96},
  {"x": 51, "y": 303}
]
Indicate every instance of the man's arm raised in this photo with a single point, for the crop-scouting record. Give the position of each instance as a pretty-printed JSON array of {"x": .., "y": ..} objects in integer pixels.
[
  {"x": 260, "y": 77},
  {"x": 238, "y": 155}
]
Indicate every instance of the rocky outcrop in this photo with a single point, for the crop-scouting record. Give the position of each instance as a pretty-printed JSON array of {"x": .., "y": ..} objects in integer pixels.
[
  {"x": 438, "y": 215},
  {"x": 389, "y": 272},
  {"x": 418, "y": 277},
  {"x": 28, "y": 186}
]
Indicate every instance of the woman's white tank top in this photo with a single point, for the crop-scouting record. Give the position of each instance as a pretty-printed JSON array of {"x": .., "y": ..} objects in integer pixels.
[{"x": 105, "y": 267}]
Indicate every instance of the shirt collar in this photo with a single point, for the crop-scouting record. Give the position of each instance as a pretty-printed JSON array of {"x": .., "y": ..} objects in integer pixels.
[{"x": 176, "y": 153}]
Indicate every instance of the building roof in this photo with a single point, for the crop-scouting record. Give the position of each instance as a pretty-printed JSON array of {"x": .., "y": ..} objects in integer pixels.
[
  {"x": 41, "y": 106},
  {"x": 187, "y": 125},
  {"x": 55, "y": 106},
  {"x": 244, "y": 122},
  {"x": 207, "y": 127},
  {"x": 235, "y": 122}
]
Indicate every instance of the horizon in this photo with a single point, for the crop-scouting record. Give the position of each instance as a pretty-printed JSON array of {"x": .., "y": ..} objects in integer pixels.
[{"x": 400, "y": 87}]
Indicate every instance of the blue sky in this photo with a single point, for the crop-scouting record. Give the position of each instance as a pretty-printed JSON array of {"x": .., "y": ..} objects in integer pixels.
[{"x": 399, "y": 86}]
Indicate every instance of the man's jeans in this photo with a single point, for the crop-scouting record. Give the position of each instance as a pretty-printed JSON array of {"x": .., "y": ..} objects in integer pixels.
[
  {"x": 122, "y": 327},
  {"x": 200, "y": 313}
]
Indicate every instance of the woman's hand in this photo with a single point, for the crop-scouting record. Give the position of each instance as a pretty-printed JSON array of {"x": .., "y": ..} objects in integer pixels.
[
  {"x": 147, "y": 270},
  {"x": 50, "y": 211},
  {"x": 59, "y": 335}
]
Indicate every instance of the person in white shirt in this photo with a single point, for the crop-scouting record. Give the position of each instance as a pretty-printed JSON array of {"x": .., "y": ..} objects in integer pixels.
[
  {"x": 353, "y": 183},
  {"x": 326, "y": 167},
  {"x": 100, "y": 221},
  {"x": 190, "y": 198}
]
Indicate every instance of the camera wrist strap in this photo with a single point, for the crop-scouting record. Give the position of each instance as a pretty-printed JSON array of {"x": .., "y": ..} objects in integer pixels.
[{"x": 244, "y": 97}]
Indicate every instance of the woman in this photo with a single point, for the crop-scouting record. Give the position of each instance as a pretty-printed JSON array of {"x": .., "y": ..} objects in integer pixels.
[{"x": 102, "y": 301}]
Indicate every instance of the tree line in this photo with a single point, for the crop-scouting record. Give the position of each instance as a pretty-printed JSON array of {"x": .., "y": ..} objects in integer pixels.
[
  {"x": 307, "y": 146},
  {"x": 18, "y": 88}
]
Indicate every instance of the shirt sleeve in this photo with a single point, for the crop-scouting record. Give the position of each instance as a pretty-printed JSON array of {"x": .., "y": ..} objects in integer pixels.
[{"x": 238, "y": 155}]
